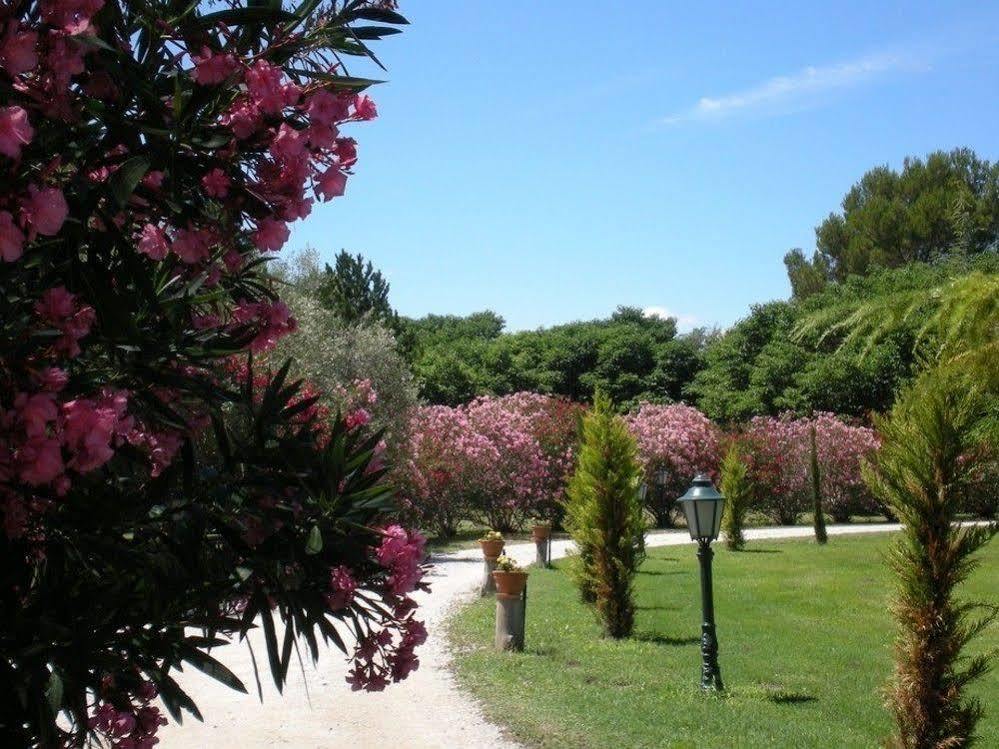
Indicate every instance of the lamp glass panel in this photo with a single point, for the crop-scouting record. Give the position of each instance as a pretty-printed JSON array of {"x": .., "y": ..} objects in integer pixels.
[
  {"x": 690, "y": 513},
  {"x": 705, "y": 518}
]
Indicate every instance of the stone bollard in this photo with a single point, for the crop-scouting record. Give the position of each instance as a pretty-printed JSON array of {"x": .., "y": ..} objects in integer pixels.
[
  {"x": 511, "y": 610},
  {"x": 542, "y": 536},
  {"x": 491, "y": 550},
  {"x": 488, "y": 584}
]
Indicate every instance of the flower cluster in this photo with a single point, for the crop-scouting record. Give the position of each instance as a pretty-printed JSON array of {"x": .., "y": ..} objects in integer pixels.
[
  {"x": 675, "y": 443},
  {"x": 134, "y": 727},
  {"x": 389, "y": 653},
  {"x": 778, "y": 454},
  {"x": 498, "y": 460}
]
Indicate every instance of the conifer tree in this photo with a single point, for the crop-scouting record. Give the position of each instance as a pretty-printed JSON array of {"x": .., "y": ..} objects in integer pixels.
[
  {"x": 604, "y": 516},
  {"x": 818, "y": 516},
  {"x": 926, "y": 438},
  {"x": 736, "y": 487}
]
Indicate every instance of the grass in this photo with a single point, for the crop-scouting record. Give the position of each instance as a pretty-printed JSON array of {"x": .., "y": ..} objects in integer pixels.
[{"x": 804, "y": 637}]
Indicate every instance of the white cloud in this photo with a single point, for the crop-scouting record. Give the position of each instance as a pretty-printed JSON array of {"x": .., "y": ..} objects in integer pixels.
[
  {"x": 785, "y": 89},
  {"x": 683, "y": 322}
]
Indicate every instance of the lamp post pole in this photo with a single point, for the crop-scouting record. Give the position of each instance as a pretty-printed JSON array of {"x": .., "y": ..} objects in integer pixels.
[
  {"x": 702, "y": 506},
  {"x": 710, "y": 672}
]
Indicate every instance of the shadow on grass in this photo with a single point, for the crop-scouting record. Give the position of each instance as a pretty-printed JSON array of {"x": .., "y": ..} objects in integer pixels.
[
  {"x": 660, "y": 573},
  {"x": 759, "y": 551},
  {"x": 778, "y": 695},
  {"x": 658, "y": 639}
]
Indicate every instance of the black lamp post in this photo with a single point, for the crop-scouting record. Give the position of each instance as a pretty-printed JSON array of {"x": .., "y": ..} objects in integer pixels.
[{"x": 702, "y": 505}]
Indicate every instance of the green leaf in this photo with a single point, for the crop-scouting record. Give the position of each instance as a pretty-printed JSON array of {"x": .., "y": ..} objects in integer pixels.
[
  {"x": 53, "y": 692},
  {"x": 208, "y": 665},
  {"x": 242, "y": 16},
  {"x": 124, "y": 181},
  {"x": 315, "y": 543}
]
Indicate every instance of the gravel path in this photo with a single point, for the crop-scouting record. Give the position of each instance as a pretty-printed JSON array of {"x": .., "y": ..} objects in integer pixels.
[{"x": 427, "y": 711}]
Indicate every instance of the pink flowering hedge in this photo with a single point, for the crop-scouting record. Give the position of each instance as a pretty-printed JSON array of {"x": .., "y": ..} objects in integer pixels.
[
  {"x": 778, "y": 453},
  {"x": 675, "y": 443},
  {"x": 160, "y": 490},
  {"x": 495, "y": 461}
]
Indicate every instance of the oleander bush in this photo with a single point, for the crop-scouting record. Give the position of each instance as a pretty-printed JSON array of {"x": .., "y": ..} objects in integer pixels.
[
  {"x": 675, "y": 443},
  {"x": 494, "y": 461},
  {"x": 161, "y": 488},
  {"x": 778, "y": 454}
]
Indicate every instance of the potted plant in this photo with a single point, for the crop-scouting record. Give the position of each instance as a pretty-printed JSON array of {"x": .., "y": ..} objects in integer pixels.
[
  {"x": 541, "y": 531},
  {"x": 510, "y": 577},
  {"x": 492, "y": 544}
]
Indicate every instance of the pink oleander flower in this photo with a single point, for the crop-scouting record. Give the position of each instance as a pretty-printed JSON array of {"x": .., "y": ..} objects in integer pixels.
[
  {"x": 346, "y": 152},
  {"x": 325, "y": 108},
  {"x": 341, "y": 588},
  {"x": 52, "y": 379},
  {"x": 331, "y": 184},
  {"x": 267, "y": 88},
  {"x": 15, "y": 131},
  {"x": 40, "y": 460},
  {"x": 35, "y": 412},
  {"x": 216, "y": 183},
  {"x": 211, "y": 69},
  {"x": 45, "y": 209},
  {"x": 18, "y": 50},
  {"x": 357, "y": 418},
  {"x": 72, "y": 16},
  {"x": 401, "y": 552},
  {"x": 11, "y": 238},
  {"x": 153, "y": 179},
  {"x": 191, "y": 245},
  {"x": 288, "y": 144},
  {"x": 243, "y": 118},
  {"x": 270, "y": 235},
  {"x": 364, "y": 108},
  {"x": 153, "y": 242}
]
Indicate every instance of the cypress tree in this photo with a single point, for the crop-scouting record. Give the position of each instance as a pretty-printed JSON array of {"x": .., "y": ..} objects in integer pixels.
[
  {"x": 736, "y": 487},
  {"x": 818, "y": 516},
  {"x": 604, "y": 515}
]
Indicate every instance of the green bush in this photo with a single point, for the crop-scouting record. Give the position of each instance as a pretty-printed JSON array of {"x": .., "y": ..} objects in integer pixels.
[{"x": 604, "y": 516}]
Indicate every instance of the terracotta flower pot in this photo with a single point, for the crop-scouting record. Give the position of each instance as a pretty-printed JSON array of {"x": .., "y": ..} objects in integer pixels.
[
  {"x": 510, "y": 583},
  {"x": 541, "y": 532},
  {"x": 492, "y": 549}
]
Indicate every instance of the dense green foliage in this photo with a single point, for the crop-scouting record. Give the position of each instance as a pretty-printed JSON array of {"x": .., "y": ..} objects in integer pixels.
[
  {"x": 807, "y": 676},
  {"x": 945, "y": 204},
  {"x": 354, "y": 291},
  {"x": 336, "y": 354},
  {"x": 767, "y": 364},
  {"x": 738, "y": 493},
  {"x": 605, "y": 518},
  {"x": 630, "y": 356}
]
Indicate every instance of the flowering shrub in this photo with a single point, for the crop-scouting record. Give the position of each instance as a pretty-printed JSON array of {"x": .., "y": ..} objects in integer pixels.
[
  {"x": 494, "y": 460},
  {"x": 152, "y": 156},
  {"x": 675, "y": 443},
  {"x": 778, "y": 458}
]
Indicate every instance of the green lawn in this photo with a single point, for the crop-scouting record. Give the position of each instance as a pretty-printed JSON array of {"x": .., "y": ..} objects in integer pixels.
[{"x": 804, "y": 636}]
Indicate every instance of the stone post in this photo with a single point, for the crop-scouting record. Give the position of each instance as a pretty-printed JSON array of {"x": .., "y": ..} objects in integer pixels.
[
  {"x": 488, "y": 584},
  {"x": 510, "y": 620}
]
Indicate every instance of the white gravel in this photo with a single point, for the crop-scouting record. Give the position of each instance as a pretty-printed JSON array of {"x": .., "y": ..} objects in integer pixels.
[{"x": 427, "y": 711}]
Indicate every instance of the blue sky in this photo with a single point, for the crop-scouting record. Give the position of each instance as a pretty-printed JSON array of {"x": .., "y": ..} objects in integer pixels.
[{"x": 553, "y": 160}]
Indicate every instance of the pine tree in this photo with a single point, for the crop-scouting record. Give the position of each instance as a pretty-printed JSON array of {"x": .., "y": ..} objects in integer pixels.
[
  {"x": 736, "y": 487},
  {"x": 916, "y": 472},
  {"x": 819, "y": 518},
  {"x": 604, "y": 516}
]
